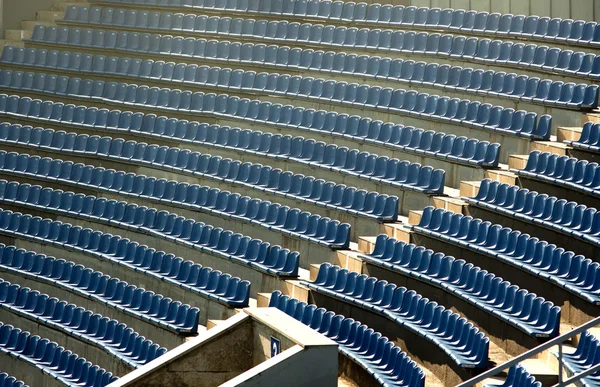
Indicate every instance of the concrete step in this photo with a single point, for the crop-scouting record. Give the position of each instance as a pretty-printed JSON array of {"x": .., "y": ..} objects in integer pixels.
[
  {"x": 30, "y": 24},
  {"x": 517, "y": 161},
  {"x": 569, "y": 133},
  {"x": 17, "y": 35},
  {"x": 49, "y": 16},
  {"x": 559, "y": 148},
  {"x": 10, "y": 42}
]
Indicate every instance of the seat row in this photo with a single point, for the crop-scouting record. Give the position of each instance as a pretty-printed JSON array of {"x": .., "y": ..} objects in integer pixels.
[
  {"x": 259, "y": 255},
  {"x": 575, "y": 273},
  {"x": 10, "y": 381},
  {"x": 344, "y": 199},
  {"x": 585, "y": 356},
  {"x": 113, "y": 337},
  {"x": 406, "y": 139},
  {"x": 572, "y": 32},
  {"x": 51, "y": 359},
  {"x": 282, "y": 219},
  {"x": 589, "y": 140},
  {"x": 401, "y": 174},
  {"x": 395, "y": 101},
  {"x": 443, "y": 109},
  {"x": 225, "y": 204},
  {"x": 451, "y": 78},
  {"x": 142, "y": 304},
  {"x": 263, "y": 178},
  {"x": 480, "y": 50},
  {"x": 577, "y": 175},
  {"x": 381, "y": 169},
  {"x": 454, "y": 335},
  {"x": 386, "y": 362},
  {"x": 563, "y": 216},
  {"x": 205, "y": 281},
  {"x": 483, "y": 289}
]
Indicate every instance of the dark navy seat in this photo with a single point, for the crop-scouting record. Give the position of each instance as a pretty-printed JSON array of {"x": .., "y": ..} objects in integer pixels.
[
  {"x": 481, "y": 50},
  {"x": 567, "y": 217},
  {"x": 112, "y": 292},
  {"x": 51, "y": 359},
  {"x": 454, "y": 335},
  {"x": 386, "y": 362},
  {"x": 575, "y": 273},
  {"x": 474, "y": 285},
  {"x": 317, "y": 229},
  {"x": 564, "y": 171},
  {"x": 110, "y": 335},
  {"x": 589, "y": 140},
  {"x": 585, "y": 356}
]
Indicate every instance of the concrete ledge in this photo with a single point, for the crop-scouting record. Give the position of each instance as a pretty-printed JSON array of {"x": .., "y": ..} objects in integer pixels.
[{"x": 236, "y": 352}]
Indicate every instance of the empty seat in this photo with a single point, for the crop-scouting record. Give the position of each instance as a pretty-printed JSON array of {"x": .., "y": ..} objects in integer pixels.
[
  {"x": 374, "y": 353},
  {"x": 400, "y": 305}
]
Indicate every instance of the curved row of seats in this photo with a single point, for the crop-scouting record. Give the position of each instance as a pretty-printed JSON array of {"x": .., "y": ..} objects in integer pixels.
[
  {"x": 398, "y": 137},
  {"x": 489, "y": 293},
  {"x": 381, "y": 169},
  {"x": 237, "y": 248},
  {"x": 572, "y": 32},
  {"x": 589, "y": 139},
  {"x": 10, "y": 381},
  {"x": 585, "y": 356},
  {"x": 569, "y": 172},
  {"x": 263, "y": 178},
  {"x": 386, "y": 362},
  {"x": 444, "y": 109},
  {"x": 142, "y": 304},
  {"x": 51, "y": 359},
  {"x": 575, "y": 273},
  {"x": 113, "y": 337},
  {"x": 404, "y": 175},
  {"x": 291, "y": 222},
  {"x": 490, "y": 83},
  {"x": 478, "y": 50},
  {"x": 327, "y": 194},
  {"x": 454, "y": 335},
  {"x": 232, "y": 206},
  {"x": 204, "y": 281},
  {"x": 395, "y": 101},
  {"x": 569, "y": 218}
]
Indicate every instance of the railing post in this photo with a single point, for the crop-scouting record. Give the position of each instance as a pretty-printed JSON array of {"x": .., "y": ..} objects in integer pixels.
[{"x": 560, "y": 364}]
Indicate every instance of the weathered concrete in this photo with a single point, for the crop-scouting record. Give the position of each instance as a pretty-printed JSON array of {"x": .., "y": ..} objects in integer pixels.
[{"x": 237, "y": 352}]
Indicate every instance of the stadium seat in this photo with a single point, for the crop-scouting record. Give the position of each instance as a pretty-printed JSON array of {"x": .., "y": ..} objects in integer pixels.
[
  {"x": 94, "y": 329},
  {"x": 465, "y": 344}
]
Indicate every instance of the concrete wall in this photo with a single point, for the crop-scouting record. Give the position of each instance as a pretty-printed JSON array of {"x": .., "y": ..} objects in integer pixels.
[
  {"x": 13, "y": 11},
  {"x": 237, "y": 352}
]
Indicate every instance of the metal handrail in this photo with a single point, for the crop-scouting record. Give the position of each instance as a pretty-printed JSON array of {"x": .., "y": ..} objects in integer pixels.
[{"x": 534, "y": 351}]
